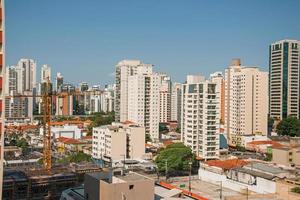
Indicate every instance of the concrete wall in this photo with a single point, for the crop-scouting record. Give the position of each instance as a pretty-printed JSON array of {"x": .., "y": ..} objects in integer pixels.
[
  {"x": 263, "y": 186},
  {"x": 132, "y": 191}
]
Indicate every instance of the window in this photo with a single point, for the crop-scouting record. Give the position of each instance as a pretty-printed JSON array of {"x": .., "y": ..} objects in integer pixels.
[{"x": 131, "y": 187}]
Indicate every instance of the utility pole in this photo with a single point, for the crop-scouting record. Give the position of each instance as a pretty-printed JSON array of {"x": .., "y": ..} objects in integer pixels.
[
  {"x": 247, "y": 193},
  {"x": 221, "y": 191},
  {"x": 166, "y": 168},
  {"x": 190, "y": 177}
]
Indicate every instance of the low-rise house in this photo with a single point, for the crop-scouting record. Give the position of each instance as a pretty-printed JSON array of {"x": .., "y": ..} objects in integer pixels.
[
  {"x": 262, "y": 146},
  {"x": 69, "y": 144},
  {"x": 287, "y": 156},
  {"x": 118, "y": 142},
  {"x": 68, "y": 131},
  {"x": 241, "y": 175}
]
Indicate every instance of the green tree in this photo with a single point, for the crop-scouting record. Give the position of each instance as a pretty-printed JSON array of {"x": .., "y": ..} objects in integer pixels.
[
  {"x": 99, "y": 119},
  {"x": 296, "y": 190},
  {"x": 148, "y": 138},
  {"x": 177, "y": 156},
  {"x": 76, "y": 158},
  {"x": 289, "y": 126}
]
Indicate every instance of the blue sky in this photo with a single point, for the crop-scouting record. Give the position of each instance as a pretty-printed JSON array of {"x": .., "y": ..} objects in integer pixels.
[{"x": 85, "y": 39}]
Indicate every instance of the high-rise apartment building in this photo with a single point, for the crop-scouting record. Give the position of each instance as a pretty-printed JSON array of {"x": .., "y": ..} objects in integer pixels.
[
  {"x": 165, "y": 98},
  {"x": 246, "y": 102},
  {"x": 59, "y": 81},
  {"x": 284, "y": 82},
  {"x": 84, "y": 86},
  {"x": 143, "y": 102},
  {"x": 45, "y": 74},
  {"x": 176, "y": 102},
  {"x": 64, "y": 104},
  {"x": 2, "y": 86},
  {"x": 218, "y": 78},
  {"x": 200, "y": 123},
  {"x": 27, "y": 76},
  {"x": 125, "y": 69},
  {"x": 11, "y": 80}
]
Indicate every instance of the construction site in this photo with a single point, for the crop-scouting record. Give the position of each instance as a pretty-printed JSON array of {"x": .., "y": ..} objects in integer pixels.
[
  {"x": 46, "y": 180},
  {"x": 37, "y": 183}
]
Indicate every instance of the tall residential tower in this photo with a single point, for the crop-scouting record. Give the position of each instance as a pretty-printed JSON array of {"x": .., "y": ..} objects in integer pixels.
[{"x": 284, "y": 82}]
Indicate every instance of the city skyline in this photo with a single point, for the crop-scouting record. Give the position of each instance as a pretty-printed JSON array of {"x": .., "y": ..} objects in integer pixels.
[{"x": 182, "y": 38}]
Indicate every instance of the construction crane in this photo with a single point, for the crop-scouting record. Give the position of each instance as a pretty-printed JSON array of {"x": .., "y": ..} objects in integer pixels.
[
  {"x": 46, "y": 108},
  {"x": 46, "y": 97}
]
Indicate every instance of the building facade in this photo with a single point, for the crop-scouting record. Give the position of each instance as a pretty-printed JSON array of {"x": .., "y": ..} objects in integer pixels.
[
  {"x": 200, "y": 122},
  {"x": 118, "y": 142},
  {"x": 144, "y": 102},
  {"x": 2, "y": 84},
  {"x": 125, "y": 69},
  {"x": 284, "y": 69},
  {"x": 165, "y": 99},
  {"x": 176, "y": 102},
  {"x": 218, "y": 78},
  {"x": 246, "y": 102}
]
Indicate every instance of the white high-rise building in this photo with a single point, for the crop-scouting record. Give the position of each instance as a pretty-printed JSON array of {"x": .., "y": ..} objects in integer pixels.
[
  {"x": 125, "y": 69},
  {"x": 176, "y": 102},
  {"x": 246, "y": 102},
  {"x": 27, "y": 76},
  {"x": 218, "y": 78},
  {"x": 45, "y": 73},
  {"x": 284, "y": 82},
  {"x": 11, "y": 80},
  {"x": 165, "y": 98},
  {"x": 143, "y": 102},
  {"x": 200, "y": 121},
  {"x": 59, "y": 81}
]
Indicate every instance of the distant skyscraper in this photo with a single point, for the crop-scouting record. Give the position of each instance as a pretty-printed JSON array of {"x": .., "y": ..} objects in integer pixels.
[
  {"x": 165, "y": 98},
  {"x": 200, "y": 123},
  {"x": 45, "y": 74},
  {"x": 284, "y": 81},
  {"x": 246, "y": 102},
  {"x": 59, "y": 81},
  {"x": 124, "y": 69},
  {"x": 2, "y": 86},
  {"x": 27, "y": 76},
  {"x": 176, "y": 102},
  {"x": 84, "y": 86},
  {"x": 11, "y": 79}
]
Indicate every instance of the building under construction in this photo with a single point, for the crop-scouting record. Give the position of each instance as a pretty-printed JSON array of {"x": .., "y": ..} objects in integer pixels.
[{"x": 25, "y": 184}]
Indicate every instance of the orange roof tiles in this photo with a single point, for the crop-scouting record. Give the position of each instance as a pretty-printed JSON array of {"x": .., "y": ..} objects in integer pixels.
[
  {"x": 185, "y": 192},
  {"x": 69, "y": 140},
  {"x": 227, "y": 164},
  {"x": 266, "y": 142},
  {"x": 87, "y": 137},
  {"x": 127, "y": 122}
]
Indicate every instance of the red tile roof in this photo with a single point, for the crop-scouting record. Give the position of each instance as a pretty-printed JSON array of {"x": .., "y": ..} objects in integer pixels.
[
  {"x": 127, "y": 122},
  {"x": 227, "y": 164},
  {"x": 69, "y": 140},
  {"x": 185, "y": 192},
  {"x": 266, "y": 142}
]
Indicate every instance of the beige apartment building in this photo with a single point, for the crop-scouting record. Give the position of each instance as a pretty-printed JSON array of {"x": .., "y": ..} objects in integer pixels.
[
  {"x": 200, "y": 124},
  {"x": 246, "y": 102},
  {"x": 105, "y": 186},
  {"x": 118, "y": 141},
  {"x": 286, "y": 156}
]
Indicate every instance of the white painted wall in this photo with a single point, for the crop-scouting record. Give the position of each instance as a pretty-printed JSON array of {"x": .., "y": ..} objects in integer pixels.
[{"x": 263, "y": 186}]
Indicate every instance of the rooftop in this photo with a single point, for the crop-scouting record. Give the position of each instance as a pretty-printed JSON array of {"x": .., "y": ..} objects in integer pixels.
[{"x": 227, "y": 164}]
